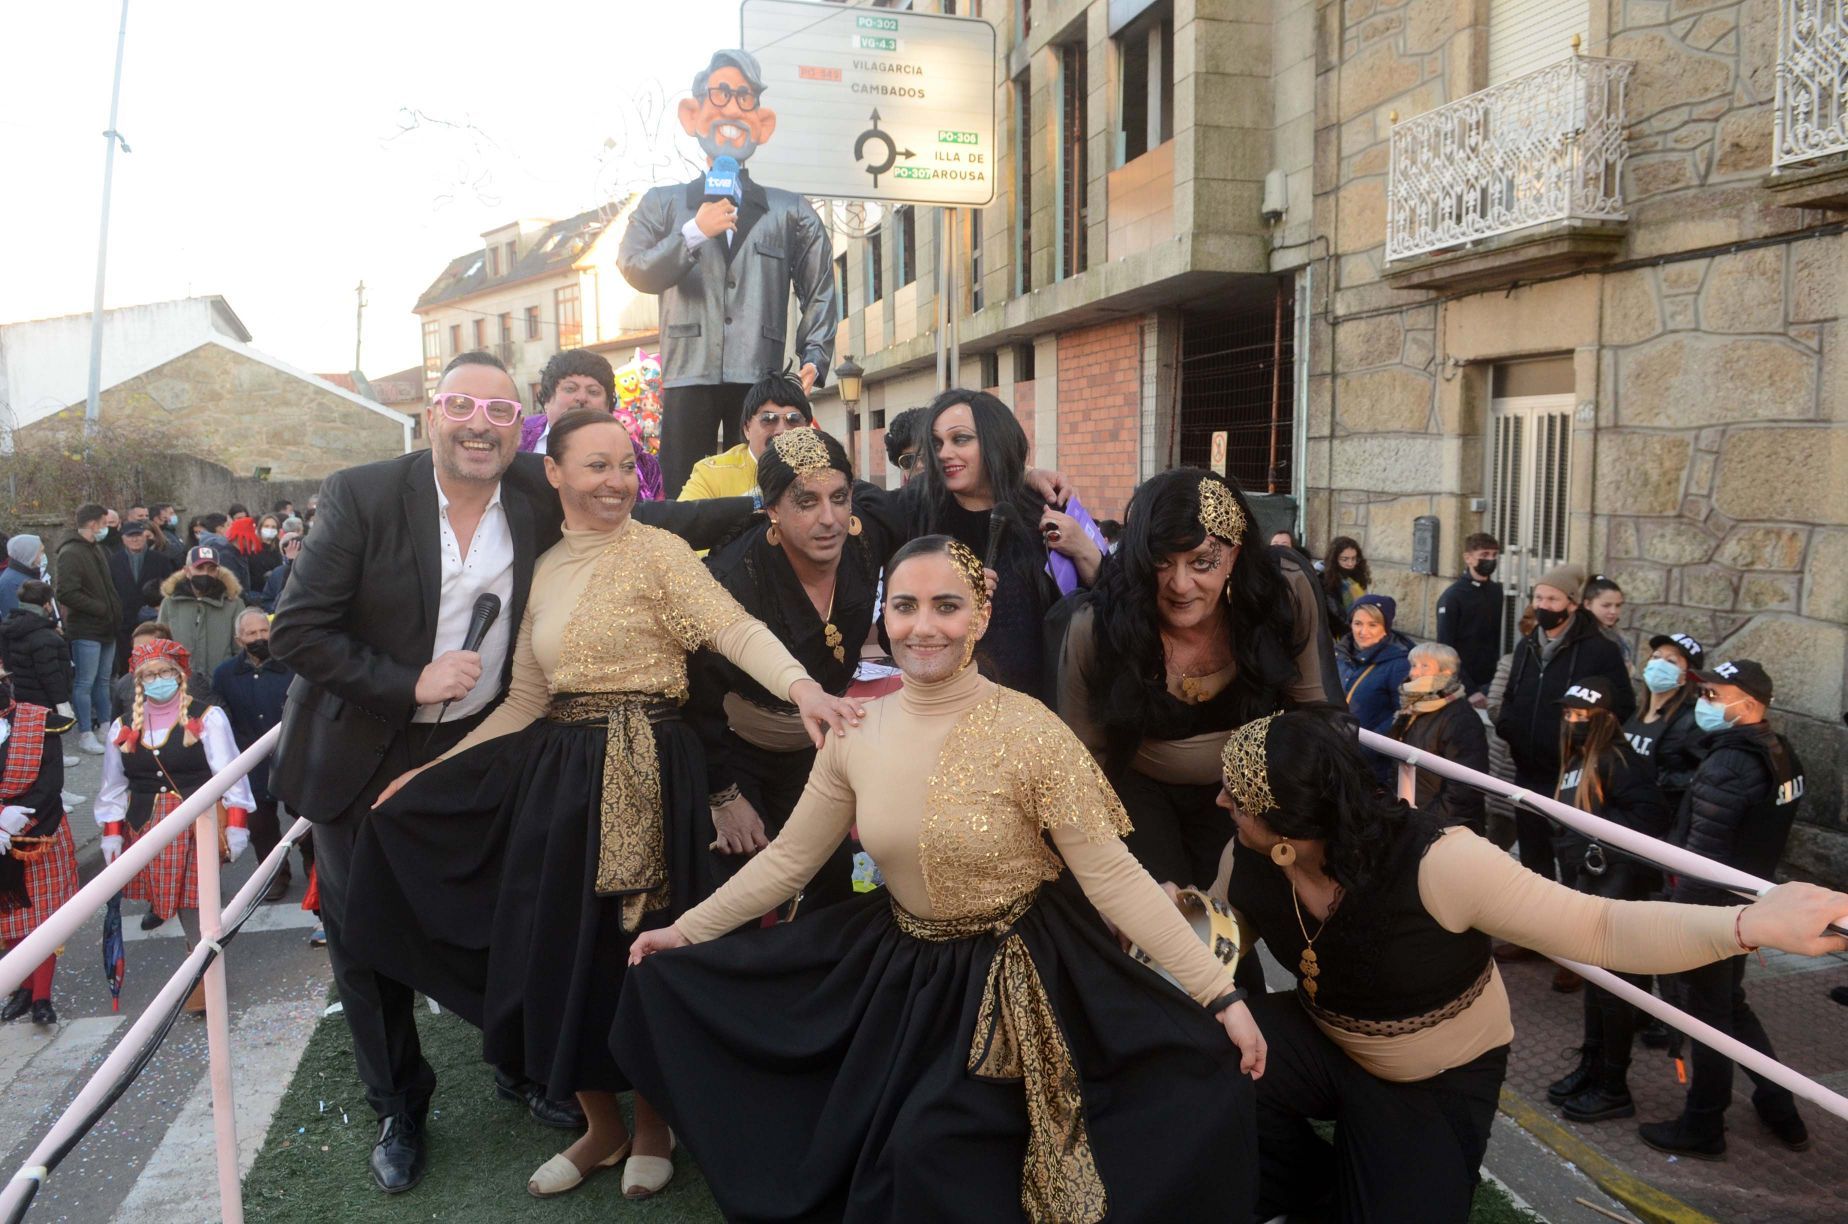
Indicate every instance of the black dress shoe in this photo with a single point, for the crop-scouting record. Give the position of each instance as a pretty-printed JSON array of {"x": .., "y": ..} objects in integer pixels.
[
  {"x": 1601, "y": 1102},
  {"x": 398, "y": 1157},
  {"x": 1678, "y": 1140},
  {"x": 1791, "y": 1131},
  {"x": 1578, "y": 1079},
  {"x": 17, "y": 1005},
  {"x": 43, "y": 1013},
  {"x": 150, "y": 920},
  {"x": 561, "y": 1115}
]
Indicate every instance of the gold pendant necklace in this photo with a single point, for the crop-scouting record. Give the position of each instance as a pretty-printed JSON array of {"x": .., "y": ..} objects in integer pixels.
[
  {"x": 830, "y": 634},
  {"x": 1307, "y": 964}
]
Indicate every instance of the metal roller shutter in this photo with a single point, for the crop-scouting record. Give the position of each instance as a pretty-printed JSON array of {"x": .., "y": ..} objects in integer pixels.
[{"x": 1529, "y": 34}]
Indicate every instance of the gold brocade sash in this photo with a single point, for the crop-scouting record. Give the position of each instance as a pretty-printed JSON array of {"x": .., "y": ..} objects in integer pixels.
[
  {"x": 631, "y": 841},
  {"x": 1017, "y": 1037}
]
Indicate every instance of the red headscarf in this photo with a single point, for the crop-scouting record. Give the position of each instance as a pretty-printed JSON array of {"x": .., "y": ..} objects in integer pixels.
[{"x": 149, "y": 649}]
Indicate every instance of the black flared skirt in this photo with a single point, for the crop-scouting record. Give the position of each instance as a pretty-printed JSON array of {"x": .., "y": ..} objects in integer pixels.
[
  {"x": 475, "y": 885},
  {"x": 818, "y": 1071}
]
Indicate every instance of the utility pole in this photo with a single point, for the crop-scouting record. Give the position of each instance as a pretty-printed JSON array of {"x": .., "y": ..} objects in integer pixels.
[
  {"x": 92, "y": 407},
  {"x": 359, "y": 322}
]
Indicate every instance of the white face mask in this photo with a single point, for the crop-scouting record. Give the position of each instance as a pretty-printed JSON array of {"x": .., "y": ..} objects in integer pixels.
[{"x": 268, "y": 533}]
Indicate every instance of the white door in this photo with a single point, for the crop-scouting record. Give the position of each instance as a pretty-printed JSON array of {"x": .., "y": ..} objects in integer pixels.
[{"x": 1529, "y": 483}]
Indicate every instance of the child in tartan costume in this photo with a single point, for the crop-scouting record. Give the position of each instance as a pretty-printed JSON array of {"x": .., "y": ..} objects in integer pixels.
[
  {"x": 38, "y": 860},
  {"x": 149, "y": 770}
]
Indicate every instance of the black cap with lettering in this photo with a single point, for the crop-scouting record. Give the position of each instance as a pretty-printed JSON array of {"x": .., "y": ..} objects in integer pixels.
[
  {"x": 1594, "y": 693},
  {"x": 1744, "y": 674},
  {"x": 1691, "y": 650}
]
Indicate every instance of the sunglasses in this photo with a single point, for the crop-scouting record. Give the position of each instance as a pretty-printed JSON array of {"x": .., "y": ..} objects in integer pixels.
[
  {"x": 725, "y": 95},
  {"x": 769, "y": 420},
  {"x": 459, "y": 407}
]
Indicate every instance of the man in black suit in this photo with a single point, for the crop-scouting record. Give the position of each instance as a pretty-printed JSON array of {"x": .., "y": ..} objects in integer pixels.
[
  {"x": 372, "y": 622},
  {"x": 134, "y": 570}
]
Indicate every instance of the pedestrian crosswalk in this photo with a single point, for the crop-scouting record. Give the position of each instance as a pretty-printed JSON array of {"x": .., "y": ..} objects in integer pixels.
[{"x": 286, "y": 917}]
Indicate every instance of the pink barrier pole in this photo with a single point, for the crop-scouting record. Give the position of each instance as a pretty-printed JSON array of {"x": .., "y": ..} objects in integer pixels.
[
  {"x": 103, "y": 1081},
  {"x": 218, "y": 1023},
  {"x": 1673, "y": 858},
  {"x": 1707, "y": 1035},
  {"x": 17, "y": 965}
]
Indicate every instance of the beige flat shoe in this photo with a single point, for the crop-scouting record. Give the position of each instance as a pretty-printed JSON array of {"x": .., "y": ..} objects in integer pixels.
[
  {"x": 558, "y": 1175},
  {"x": 646, "y": 1176}
]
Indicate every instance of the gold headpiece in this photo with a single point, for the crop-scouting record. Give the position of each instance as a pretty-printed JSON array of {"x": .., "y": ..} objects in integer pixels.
[
  {"x": 970, "y": 565},
  {"x": 803, "y": 451},
  {"x": 1246, "y": 768},
  {"x": 1219, "y": 512}
]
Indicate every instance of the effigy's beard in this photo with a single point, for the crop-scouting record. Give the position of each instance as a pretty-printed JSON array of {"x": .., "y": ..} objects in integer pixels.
[{"x": 714, "y": 148}]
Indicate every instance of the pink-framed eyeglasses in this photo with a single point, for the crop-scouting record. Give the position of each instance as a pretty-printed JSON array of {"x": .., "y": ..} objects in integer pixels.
[{"x": 459, "y": 407}]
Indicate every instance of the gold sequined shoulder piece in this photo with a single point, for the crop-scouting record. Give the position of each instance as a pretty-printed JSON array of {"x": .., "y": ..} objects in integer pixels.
[
  {"x": 691, "y": 605},
  {"x": 1007, "y": 772}
]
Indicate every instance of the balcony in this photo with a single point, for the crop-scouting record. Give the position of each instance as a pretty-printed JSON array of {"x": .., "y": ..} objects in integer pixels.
[
  {"x": 1522, "y": 178},
  {"x": 1811, "y": 105}
]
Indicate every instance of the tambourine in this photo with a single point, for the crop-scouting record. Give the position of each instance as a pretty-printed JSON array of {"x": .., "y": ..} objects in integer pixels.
[{"x": 1215, "y": 924}]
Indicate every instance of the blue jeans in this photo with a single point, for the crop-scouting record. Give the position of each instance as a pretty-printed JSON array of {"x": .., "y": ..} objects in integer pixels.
[{"x": 90, "y": 693}]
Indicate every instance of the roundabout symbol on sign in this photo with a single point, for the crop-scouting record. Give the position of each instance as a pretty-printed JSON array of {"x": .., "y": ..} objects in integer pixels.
[{"x": 892, "y": 151}]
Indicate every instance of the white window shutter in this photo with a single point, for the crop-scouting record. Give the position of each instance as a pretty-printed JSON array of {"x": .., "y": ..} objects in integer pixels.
[{"x": 1529, "y": 34}]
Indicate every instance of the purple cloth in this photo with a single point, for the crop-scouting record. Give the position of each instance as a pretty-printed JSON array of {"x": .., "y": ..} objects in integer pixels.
[
  {"x": 1063, "y": 570},
  {"x": 647, "y": 467}
]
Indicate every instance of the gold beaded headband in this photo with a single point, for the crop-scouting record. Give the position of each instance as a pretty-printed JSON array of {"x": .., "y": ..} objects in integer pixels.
[
  {"x": 970, "y": 566},
  {"x": 1246, "y": 768},
  {"x": 803, "y": 451},
  {"x": 1219, "y": 512}
]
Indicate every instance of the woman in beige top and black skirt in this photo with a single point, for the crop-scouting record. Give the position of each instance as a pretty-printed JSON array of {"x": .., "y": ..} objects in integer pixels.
[
  {"x": 508, "y": 881},
  {"x": 975, "y": 1046},
  {"x": 1399, "y": 1027}
]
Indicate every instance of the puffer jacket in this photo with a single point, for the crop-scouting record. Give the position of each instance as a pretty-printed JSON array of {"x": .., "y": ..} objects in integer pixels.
[
  {"x": 86, "y": 591},
  {"x": 203, "y": 612},
  {"x": 1740, "y": 807},
  {"x": 1631, "y": 799},
  {"x": 1371, "y": 678},
  {"x": 38, "y": 658}
]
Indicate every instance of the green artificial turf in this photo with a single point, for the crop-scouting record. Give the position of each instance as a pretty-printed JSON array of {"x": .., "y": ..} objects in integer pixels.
[
  {"x": 482, "y": 1149},
  {"x": 312, "y": 1168}
]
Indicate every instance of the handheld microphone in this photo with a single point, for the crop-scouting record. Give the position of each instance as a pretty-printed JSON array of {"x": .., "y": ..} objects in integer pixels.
[
  {"x": 487, "y": 611},
  {"x": 999, "y": 520},
  {"x": 722, "y": 180}
]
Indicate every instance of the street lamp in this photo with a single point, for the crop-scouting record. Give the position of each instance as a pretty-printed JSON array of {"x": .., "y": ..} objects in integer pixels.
[{"x": 847, "y": 376}]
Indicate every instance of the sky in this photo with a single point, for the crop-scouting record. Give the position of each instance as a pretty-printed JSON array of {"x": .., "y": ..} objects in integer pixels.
[{"x": 283, "y": 153}]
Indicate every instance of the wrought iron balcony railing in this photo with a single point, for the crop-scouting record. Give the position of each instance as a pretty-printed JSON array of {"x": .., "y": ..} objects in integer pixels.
[
  {"x": 1812, "y": 81},
  {"x": 1544, "y": 147}
]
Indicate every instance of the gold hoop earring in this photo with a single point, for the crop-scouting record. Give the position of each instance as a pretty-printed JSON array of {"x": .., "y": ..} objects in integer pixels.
[
  {"x": 854, "y": 525},
  {"x": 772, "y": 536},
  {"x": 1283, "y": 854}
]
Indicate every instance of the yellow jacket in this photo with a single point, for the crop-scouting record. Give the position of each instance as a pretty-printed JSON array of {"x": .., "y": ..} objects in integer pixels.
[{"x": 731, "y": 473}]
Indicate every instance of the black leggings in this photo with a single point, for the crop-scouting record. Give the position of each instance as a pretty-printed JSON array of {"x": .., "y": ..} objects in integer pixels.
[
  {"x": 1178, "y": 830},
  {"x": 1402, "y": 1152}
]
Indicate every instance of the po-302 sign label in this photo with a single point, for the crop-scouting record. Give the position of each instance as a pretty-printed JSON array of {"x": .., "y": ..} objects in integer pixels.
[{"x": 893, "y": 106}]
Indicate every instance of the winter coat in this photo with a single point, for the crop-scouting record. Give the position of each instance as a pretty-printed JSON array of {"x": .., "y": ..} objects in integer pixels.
[
  {"x": 1631, "y": 799},
  {"x": 85, "y": 590},
  {"x": 1469, "y": 620},
  {"x": 1455, "y": 733},
  {"x": 1672, "y": 748},
  {"x": 1739, "y": 809},
  {"x": 260, "y": 563},
  {"x": 272, "y": 586},
  {"x": 1529, "y": 718},
  {"x": 1371, "y": 678},
  {"x": 1501, "y": 764},
  {"x": 132, "y": 591},
  {"x": 251, "y": 695},
  {"x": 37, "y": 657},
  {"x": 204, "y": 621},
  {"x": 12, "y": 578}
]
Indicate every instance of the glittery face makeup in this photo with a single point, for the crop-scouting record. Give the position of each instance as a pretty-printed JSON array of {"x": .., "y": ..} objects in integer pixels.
[
  {"x": 932, "y": 618},
  {"x": 1190, "y": 586}
]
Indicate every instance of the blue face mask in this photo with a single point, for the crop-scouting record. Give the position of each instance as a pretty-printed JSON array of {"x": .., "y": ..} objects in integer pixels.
[
  {"x": 1661, "y": 676},
  {"x": 102, "y": 533},
  {"x": 1711, "y": 716},
  {"x": 161, "y": 688}
]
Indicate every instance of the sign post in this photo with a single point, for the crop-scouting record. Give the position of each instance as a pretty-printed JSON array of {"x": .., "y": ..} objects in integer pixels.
[{"x": 1218, "y": 461}]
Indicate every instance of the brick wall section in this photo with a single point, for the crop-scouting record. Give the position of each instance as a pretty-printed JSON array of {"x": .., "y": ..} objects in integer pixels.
[
  {"x": 1100, "y": 398},
  {"x": 1023, "y": 405}
]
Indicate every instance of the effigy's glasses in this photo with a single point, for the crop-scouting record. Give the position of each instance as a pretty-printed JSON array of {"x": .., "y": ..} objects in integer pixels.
[{"x": 723, "y": 95}]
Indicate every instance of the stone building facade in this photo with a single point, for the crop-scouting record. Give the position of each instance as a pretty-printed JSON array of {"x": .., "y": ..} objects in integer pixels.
[
  {"x": 1673, "y": 349},
  {"x": 242, "y": 410}
]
